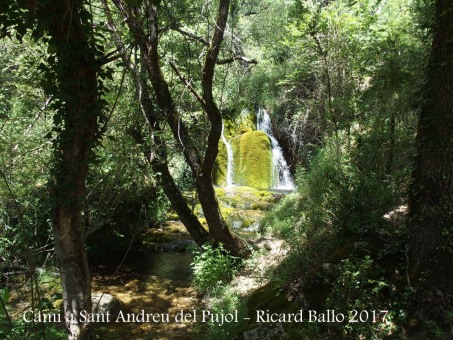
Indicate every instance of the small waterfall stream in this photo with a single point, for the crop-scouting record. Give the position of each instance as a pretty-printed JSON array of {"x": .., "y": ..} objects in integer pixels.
[
  {"x": 281, "y": 177},
  {"x": 229, "y": 148}
]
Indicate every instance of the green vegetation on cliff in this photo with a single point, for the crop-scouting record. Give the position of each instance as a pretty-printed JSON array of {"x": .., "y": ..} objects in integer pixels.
[
  {"x": 252, "y": 159},
  {"x": 234, "y": 128},
  {"x": 245, "y": 122},
  {"x": 219, "y": 172}
]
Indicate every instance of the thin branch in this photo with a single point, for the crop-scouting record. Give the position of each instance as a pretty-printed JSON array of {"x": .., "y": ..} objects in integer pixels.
[
  {"x": 7, "y": 317},
  {"x": 16, "y": 204},
  {"x": 104, "y": 127},
  {"x": 127, "y": 62},
  {"x": 188, "y": 85},
  {"x": 191, "y": 35},
  {"x": 237, "y": 57},
  {"x": 107, "y": 60}
]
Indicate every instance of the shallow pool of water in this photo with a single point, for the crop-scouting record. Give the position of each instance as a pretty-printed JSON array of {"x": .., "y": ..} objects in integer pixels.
[{"x": 155, "y": 282}]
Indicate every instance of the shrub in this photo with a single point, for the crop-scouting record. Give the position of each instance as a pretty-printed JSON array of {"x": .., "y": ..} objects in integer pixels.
[
  {"x": 213, "y": 267},
  {"x": 341, "y": 192},
  {"x": 227, "y": 301},
  {"x": 361, "y": 294},
  {"x": 12, "y": 328},
  {"x": 285, "y": 217}
]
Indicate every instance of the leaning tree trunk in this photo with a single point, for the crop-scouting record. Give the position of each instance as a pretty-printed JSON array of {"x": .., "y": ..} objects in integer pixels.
[
  {"x": 431, "y": 196},
  {"x": 159, "y": 163},
  {"x": 155, "y": 152},
  {"x": 78, "y": 109},
  {"x": 201, "y": 168}
]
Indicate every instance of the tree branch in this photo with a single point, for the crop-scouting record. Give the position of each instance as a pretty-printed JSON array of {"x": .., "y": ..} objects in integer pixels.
[
  {"x": 190, "y": 35},
  {"x": 237, "y": 57},
  {"x": 127, "y": 62},
  {"x": 112, "y": 56},
  {"x": 212, "y": 110},
  {"x": 188, "y": 85},
  {"x": 148, "y": 43}
]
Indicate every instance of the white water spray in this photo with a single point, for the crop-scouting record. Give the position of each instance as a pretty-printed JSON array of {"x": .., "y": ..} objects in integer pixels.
[
  {"x": 229, "y": 148},
  {"x": 281, "y": 177}
]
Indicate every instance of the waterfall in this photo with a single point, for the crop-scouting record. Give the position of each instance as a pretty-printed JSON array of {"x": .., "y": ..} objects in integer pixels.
[
  {"x": 281, "y": 177},
  {"x": 229, "y": 148}
]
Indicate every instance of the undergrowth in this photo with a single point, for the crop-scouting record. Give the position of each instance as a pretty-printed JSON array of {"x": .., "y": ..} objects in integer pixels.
[
  {"x": 213, "y": 268},
  {"x": 345, "y": 256}
]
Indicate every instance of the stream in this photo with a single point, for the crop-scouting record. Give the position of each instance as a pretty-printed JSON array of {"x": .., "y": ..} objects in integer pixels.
[
  {"x": 158, "y": 279},
  {"x": 155, "y": 282}
]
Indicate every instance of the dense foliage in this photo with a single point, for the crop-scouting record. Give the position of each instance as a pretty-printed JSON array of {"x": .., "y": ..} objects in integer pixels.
[
  {"x": 344, "y": 82},
  {"x": 212, "y": 269}
]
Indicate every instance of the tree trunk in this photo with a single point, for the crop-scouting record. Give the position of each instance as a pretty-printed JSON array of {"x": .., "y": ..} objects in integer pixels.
[
  {"x": 201, "y": 168},
  {"x": 218, "y": 227},
  {"x": 78, "y": 108},
  {"x": 431, "y": 196},
  {"x": 179, "y": 204},
  {"x": 159, "y": 164}
]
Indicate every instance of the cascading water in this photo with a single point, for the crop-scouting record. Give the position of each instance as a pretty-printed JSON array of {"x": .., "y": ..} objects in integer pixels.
[
  {"x": 281, "y": 177},
  {"x": 229, "y": 148}
]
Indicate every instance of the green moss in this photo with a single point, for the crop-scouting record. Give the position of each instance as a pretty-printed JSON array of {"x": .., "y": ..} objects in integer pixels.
[
  {"x": 245, "y": 197},
  {"x": 246, "y": 191},
  {"x": 227, "y": 212},
  {"x": 230, "y": 128},
  {"x": 219, "y": 172},
  {"x": 252, "y": 159},
  {"x": 246, "y": 223},
  {"x": 198, "y": 210},
  {"x": 245, "y": 122},
  {"x": 171, "y": 216}
]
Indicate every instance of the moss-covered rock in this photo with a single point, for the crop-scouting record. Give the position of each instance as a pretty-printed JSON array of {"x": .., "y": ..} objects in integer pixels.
[
  {"x": 252, "y": 159},
  {"x": 245, "y": 197},
  {"x": 245, "y": 122},
  {"x": 232, "y": 127},
  {"x": 219, "y": 172}
]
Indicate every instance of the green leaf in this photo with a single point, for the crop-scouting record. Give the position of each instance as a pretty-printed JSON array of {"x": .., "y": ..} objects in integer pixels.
[{"x": 4, "y": 294}]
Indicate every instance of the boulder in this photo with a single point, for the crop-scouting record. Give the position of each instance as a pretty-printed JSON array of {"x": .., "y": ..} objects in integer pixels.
[
  {"x": 103, "y": 303},
  {"x": 252, "y": 159},
  {"x": 219, "y": 171}
]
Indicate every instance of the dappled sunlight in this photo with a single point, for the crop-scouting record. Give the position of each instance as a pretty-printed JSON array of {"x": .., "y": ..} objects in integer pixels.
[{"x": 154, "y": 282}]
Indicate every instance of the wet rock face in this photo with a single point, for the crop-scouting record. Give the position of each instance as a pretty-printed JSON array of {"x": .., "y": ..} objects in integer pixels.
[
  {"x": 219, "y": 172},
  {"x": 233, "y": 129},
  {"x": 250, "y": 155},
  {"x": 252, "y": 160}
]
